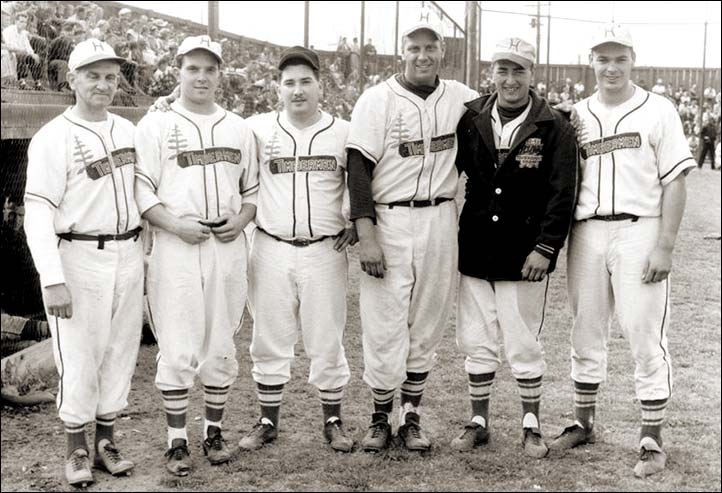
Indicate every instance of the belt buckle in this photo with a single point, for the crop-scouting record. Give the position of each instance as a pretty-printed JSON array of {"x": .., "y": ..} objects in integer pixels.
[
  {"x": 302, "y": 242},
  {"x": 412, "y": 204}
]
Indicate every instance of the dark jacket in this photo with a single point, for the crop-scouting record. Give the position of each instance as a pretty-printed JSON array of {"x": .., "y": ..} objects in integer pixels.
[{"x": 524, "y": 203}]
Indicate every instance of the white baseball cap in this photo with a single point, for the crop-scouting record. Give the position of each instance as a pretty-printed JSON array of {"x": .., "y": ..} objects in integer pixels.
[
  {"x": 517, "y": 50},
  {"x": 202, "y": 42},
  {"x": 612, "y": 33},
  {"x": 90, "y": 51},
  {"x": 424, "y": 25}
]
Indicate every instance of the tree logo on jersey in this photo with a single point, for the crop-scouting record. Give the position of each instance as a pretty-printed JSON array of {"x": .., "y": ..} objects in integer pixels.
[
  {"x": 531, "y": 154},
  {"x": 400, "y": 136},
  {"x": 605, "y": 145},
  {"x": 177, "y": 142},
  {"x": 82, "y": 154},
  {"x": 105, "y": 166},
  {"x": 272, "y": 147}
]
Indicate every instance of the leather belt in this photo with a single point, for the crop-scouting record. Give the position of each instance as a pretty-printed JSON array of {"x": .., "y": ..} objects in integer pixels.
[
  {"x": 418, "y": 203},
  {"x": 300, "y": 242},
  {"x": 616, "y": 217},
  {"x": 101, "y": 239}
]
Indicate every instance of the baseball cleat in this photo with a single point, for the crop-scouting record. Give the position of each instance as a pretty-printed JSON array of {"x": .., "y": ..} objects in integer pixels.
[
  {"x": 77, "y": 469},
  {"x": 474, "y": 435},
  {"x": 108, "y": 457},
  {"x": 263, "y": 432},
  {"x": 378, "y": 435},
  {"x": 533, "y": 443},
  {"x": 215, "y": 448},
  {"x": 179, "y": 458},
  {"x": 336, "y": 436},
  {"x": 571, "y": 437},
  {"x": 652, "y": 458},
  {"x": 412, "y": 435}
]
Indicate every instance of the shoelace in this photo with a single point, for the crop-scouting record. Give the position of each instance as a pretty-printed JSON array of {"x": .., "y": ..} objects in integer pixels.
[
  {"x": 112, "y": 453},
  {"x": 646, "y": 454},
  {"x": 414, "y": 431},
  {"x": 79, "y": 462},
  {"x": 177, "y": 453},
  {"x": 217, "y": 442},
  {"x": 378, "y": 430}
]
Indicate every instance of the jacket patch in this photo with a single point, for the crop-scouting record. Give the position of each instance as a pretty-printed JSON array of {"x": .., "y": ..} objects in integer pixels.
[
  {"x": 210, "y": 156},
  {"x": 531, "y": 154},
  {"x": 629, "y": 140},
  {"x": 102, "y": 166}
]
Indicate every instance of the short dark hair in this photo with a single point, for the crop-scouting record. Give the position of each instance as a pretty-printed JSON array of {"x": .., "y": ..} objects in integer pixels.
[{"x": 300, "y": 61}]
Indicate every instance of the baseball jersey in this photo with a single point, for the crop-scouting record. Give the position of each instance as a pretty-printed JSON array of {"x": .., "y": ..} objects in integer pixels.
[
  {"x": 303, "y": 175},
  {"x": 630, "y": 153},
  {"x": 411, "y": 141},
  {"x": 206, "y": 166},
  {"x": 81, "y": 173}
]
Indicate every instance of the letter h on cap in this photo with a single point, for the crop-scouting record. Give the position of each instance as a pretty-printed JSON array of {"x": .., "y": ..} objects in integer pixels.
[{"x": 97, "y": 46}]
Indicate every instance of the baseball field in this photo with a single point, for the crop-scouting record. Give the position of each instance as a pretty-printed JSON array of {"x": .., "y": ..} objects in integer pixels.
[{"x": 33, "y": 444}]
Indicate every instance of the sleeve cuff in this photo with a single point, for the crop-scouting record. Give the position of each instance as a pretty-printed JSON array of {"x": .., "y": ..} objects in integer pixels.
[{"x": 545, "y": 251}]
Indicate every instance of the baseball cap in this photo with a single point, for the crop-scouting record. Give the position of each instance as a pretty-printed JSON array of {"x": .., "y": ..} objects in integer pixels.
[
  {"x": 424, "y": 25},
  {"x": 91, "y": 51},
  {"x": 612, "y": 33},
  {"x": 515, "y": 49},
  {"x": 202, "y": 42},
  {"x": 306, "y": 56}
]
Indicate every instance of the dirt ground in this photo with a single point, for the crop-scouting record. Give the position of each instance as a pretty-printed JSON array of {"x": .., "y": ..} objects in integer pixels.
[{"x": 33, "y": 445}]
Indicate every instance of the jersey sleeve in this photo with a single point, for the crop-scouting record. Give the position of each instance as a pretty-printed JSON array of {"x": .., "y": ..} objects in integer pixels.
[
  {"x": 149, "y": 165},
  {"x": 670, "y": 144},
  {"x": 44, "y": 190},
  {"x": 368, "y": 125},
  {"x": 249, "y": 180}
]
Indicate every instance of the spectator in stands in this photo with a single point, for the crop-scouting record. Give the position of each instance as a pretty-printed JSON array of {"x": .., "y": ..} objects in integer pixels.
[
  {"x": 58, "y": 56},
  {"x": 100, "y": 31},
  {"x": 659, "y": 88},
  {"x": 17, "y": 41},
  {"x": 80, "y": 17},
  {"x": 9, "y": 61},
  {"x": 707, "y": 142},
  {"x": 343, "y": 50},
  {"x": 44, "y": 25},
  {"x": 355, "y": 58},
  {"x": 370, "y": 55},
  {"x": 578, "y": 91}
]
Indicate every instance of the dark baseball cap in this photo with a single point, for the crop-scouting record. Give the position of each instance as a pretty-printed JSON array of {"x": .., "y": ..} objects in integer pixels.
[{"x": 300, "y": 54}]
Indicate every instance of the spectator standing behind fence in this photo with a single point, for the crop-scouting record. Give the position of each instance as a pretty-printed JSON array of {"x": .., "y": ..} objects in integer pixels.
[
  {"x": 58, "y": 56},
  {"x": 707, "y": 141},
  {"x": 370, "y": 55},
  {"x": 17, "y": 41}
]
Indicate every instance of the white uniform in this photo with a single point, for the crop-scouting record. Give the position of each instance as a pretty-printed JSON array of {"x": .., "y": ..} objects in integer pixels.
[
  {"x": 412, "y": 143},
  {"x": 199, "y": 167},
  {"x": 631, "y": 152},
  {"x": 302, "y": 176},
  {"x": 80, "y": 180}
]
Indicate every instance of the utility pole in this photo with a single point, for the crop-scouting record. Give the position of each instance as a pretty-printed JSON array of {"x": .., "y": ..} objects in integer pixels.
[
  {"x": 538, "y": 31},
  {"x": 306, "y": 8},
  {"x": 213, "y": 20},
  {"x": 472, "y": 55},
  {"x": 549, "y": 43},
  {"x": 362, "y": 57},
  {"x": 700, "y": 91}
]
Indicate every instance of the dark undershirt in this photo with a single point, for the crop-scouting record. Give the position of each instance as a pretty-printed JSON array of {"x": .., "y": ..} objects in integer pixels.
[
  {"x": 360, "y": 169},
  {"x": 508, "y": 114}
]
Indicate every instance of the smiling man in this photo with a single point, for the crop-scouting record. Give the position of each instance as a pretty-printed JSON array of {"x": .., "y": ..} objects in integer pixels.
[
  {"x": 196, "y": 183},
  {"x": 402, "y": 182},
  {"x": 631, "y": 201},
  {"x": 82, "y": 226},
  {"x": 520, "y": 158}
]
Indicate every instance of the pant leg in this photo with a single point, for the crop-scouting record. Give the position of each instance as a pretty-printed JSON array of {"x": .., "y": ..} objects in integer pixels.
[
  {"x": 273, "y": 298},
  {"x": 322, "y": 294},
  {"x": 590, "y": 299},
  {"x": 477, "y": 325},
  {"x": 642, "y": 309}
]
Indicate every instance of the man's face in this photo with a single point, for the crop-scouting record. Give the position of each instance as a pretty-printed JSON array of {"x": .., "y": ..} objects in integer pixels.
[
  {"x": 512, "y": 83},
  {"x": 21, "y": 23},
  {"x": 422, "y": 55},
  {"x": 299, "y": 90},
  {"x": 95, "y": 84},
  {"x": 612, "y": 64},
  {"x": 200, "y": 76}
]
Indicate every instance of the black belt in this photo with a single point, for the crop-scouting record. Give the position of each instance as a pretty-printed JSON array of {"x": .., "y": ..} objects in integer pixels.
[
  {"x": 301, "y": 242},
  {"x": 101, "y": 239},
  {"x": 417, "y": 203},
  {"x": 616, "y": 217}
]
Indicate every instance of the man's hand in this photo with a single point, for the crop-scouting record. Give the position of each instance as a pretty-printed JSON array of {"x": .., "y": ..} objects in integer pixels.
[
  {"x": 58, "y": 301},
  {"x": 535, "y": 267},
  {"x": 658, "y": 266},
  {"x": 191, "y": 231},
  {"x": 579, "y": 129},
  {"x": 347, "y": 237},
  {"x": 227, "y": 227},
  {"x": 371, "y": 255},
  {"x": 163, "y": 103}
]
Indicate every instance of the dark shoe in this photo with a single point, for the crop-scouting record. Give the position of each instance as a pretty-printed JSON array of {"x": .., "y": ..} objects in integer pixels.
[
  {"x": 474, "y": 435},
  {"x": 179, "y": 458},
  {"x": 336, "y": 436},
  {"x": 378, "y": 435},
  {"x": 77, "y": 469},
  {"x": 533, "y": 443},
  {"x": 571, "y": 437},
  {"x": 109, "y": 458},
  {"x": 412, "y": 435},
  {"x": 652, "y": 458},
  {"x": 215, "y": 448},
  {"x": 262, "y": 433}
]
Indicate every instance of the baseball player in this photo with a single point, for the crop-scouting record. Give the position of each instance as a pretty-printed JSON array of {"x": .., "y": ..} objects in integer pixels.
[
  {"x": 520, "y": 157},
  {"x": 402, "y": 183},
  {"x": 196, "y": 183},
  {"x": 82, "y": 226},
  {"x": 630, "y": 205},
  {"x": 298, "y": 267}
]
